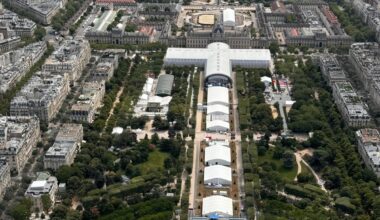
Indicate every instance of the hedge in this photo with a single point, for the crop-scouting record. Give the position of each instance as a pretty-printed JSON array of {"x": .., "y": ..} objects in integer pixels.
[{"x": 298, "y": 191}]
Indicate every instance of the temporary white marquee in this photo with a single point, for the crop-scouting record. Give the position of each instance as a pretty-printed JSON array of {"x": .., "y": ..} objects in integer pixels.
[
  {"x": 217, "y": 175},
  {"x": 217, "y": 205},
  {"x": 217, "y": 125},
  {"x": 217, "y": 95},
  {"x": 218, "y": 155},
  {"x": 229, "y": 17}
]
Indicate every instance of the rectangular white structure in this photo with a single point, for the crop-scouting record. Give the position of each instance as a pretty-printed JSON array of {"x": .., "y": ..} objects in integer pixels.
[
  {"x": 217, "y": 206},
  {"x": 218, "y": 155},
  {"x": 217, "y": 95},
  {"x": 217, "y": 175},
  {"x": 218, "y": 60},
  {"x": 229, "y": 17}
]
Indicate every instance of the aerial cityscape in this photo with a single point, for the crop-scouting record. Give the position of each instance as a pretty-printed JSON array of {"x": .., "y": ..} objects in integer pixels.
[{"x": 189, "y": 109}]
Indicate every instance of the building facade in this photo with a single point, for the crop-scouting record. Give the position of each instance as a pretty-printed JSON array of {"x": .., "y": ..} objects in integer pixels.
[
  {"x": 365, "y": 58},
  {"x": 89, "y": 101},
  {"x": 45, "y": 184},
  {"x": 18, "y": 137},
  {"x": 5, "y": 177},
  {"x": 42, "y": 11},
  {"x": 353, "y": 110},
  {"x": 71, "y": 58},
  {"x": 67, "y": 144},
  {"x": 369, "y": 148},
  {"x": 15, "y": 64},
  {"x": 42, "y": 96}
]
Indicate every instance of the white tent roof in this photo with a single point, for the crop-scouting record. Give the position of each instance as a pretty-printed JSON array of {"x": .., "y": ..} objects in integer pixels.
[
  {"x": 217, "y": 123},
  {"x": 218, "y": 58},
  {"x": 228, "y": 15},
  {"x": 217, "y": 152},
  {"x": 217, "y": 172},
  {"x": 218, "y": 108},
  {"x": 217, "y": 94},
  {"x": 217, "y": 204},
  {"x": 117, "y": 130},
  {"x": 265, "y": 79}
]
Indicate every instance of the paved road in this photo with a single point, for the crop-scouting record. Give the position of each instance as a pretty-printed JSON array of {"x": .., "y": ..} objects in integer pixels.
[
  {"x": 239, "y": 160},
  {"x": 199, "y": 136},
  {"x": 281, "y": 98}
]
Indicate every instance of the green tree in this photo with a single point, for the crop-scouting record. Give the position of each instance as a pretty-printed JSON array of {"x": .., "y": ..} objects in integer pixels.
[
  {"x": 39, "y": 33},
  {"x": 46, "y": 202},
  {"x": 21, "y": 210},
  {"x": 59, "y": 212},
  {"x": 274, "y": 48},
  {"x": 288, "y": 160}
]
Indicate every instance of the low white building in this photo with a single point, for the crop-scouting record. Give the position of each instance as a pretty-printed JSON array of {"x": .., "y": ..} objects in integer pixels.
[
  {"x": 217, "y": 155},
  {"x": 217, "y": 206},
  {"x": 218, "y": 60},
  {"x": 217, "y": 126},
  {"x": 229, "y": 17},
  {"x": 45, "y": 184},
  {"x": 217, "y": 175},
  {"x": 218, "y": 112},
  {"x": 217, "y": 95}
]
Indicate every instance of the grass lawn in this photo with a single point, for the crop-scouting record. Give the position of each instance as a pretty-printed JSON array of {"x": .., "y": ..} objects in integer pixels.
[
  {"x": 288, "y": 174},
  {"x": 155, "y": 162}
]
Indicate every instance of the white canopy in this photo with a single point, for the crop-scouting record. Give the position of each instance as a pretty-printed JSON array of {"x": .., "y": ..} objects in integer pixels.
[
  {"x": 217, "y": 95},
  {"x": 217, "y": 174},
  {"x": 218, "y": 155},
  {"x": 218, "y": 205},
  {"x": 266, "y": 79},
  {"x": 218, "y": 58},
  {"x": 217, "y": 125},
  {"x": 218, "y": 109},
  {"x": 229, "y": 17}
]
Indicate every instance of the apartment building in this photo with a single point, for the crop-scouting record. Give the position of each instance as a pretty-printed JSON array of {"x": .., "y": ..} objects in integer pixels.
[
  {"x": 369, "y": 148},
  {"x": 18, "y": 137},
  {"x": 15, "y": 64},
  {"x": 41, "y": 10},
  {"x": 42, "y": 96},
  {"x": 105, "y": 68},
  {"x": 71, "y": 58},
  {"x": 353, "y": 110},
  {"x": 331, "y": 69},
  {"x": 88, "y": 102},
  {"x": 66, "y": 146},
  {"x": 15, "y": 25},
  {"x": 366, "y": 60}
]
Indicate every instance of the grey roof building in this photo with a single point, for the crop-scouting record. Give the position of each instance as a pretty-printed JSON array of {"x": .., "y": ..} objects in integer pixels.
[
  {"x": 369, "y": 148},
  {"x": 18, "y": 136},
  {"x": 41, "y": 10},
  {"x": 15, "y": 64},
  {"x": 164, "y": 85},
  {"x": 66, "y": 145},
  {"x": 353, "y": 110},
  {"x": 366, "y": 60},
  {"x": 42, "y": 96},
  {"x": 15, "y": 25},
  {"x": 331, "y": 69},
  {"x": 71, "y": 58}
]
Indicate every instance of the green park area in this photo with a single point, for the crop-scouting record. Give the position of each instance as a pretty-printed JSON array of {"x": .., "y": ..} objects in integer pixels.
[{"x": 155, "y": 162}]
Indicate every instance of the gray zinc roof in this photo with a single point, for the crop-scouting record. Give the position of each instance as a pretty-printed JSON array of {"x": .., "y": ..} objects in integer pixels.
[{"x": 164, "y": 85}]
